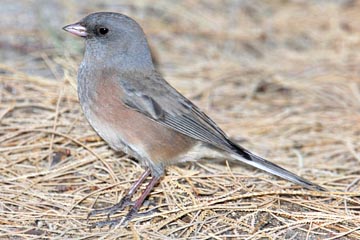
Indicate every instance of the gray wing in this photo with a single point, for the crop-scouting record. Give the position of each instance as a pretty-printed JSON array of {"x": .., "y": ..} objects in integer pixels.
[{"x": 162, "y": 103}]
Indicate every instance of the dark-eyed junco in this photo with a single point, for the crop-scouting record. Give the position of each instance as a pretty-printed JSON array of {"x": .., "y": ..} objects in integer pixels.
[{"x": 132, "y": 107}]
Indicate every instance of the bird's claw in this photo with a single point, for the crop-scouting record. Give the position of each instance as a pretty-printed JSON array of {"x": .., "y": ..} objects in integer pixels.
[
  {"x": 113, "y": 209},
  {"x": 133, "y": 213}
]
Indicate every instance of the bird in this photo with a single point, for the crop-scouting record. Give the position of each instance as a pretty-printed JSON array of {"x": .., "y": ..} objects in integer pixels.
[{"x": 135, "y": 110}]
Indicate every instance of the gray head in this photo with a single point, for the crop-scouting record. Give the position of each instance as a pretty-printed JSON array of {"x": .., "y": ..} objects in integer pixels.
[{"x": 115, "y": 39}]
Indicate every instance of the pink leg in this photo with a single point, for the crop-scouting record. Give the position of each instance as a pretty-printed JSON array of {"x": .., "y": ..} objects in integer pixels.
[
  {"x": 125, "y": 201},
  {"x": 138, "y": 203},
  {"x": 134, "y": 210},
  {"x": 138, "y": 183}
]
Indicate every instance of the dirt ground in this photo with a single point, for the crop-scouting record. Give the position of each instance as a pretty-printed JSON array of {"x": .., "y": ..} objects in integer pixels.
[{"x": 282, "y": 78}]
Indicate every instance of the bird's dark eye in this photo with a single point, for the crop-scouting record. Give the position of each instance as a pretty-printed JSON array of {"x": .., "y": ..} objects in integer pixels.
[{"x": 103, "y": 30}]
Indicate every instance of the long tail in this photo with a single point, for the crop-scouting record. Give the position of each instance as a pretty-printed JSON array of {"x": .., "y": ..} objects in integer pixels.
[{"x": 249, "y": 158}]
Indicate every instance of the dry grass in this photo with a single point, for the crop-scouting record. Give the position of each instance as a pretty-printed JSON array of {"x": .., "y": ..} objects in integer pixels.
[{"x": 282, "y": 78}]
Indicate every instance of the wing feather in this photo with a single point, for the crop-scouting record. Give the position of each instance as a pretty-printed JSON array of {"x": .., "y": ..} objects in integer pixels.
[{"x": 165, "y": 105}]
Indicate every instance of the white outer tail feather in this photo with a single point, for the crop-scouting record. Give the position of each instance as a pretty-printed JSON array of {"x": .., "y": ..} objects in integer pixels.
[{"x": 261, "y": 163}]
